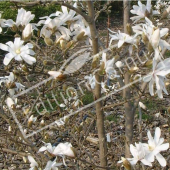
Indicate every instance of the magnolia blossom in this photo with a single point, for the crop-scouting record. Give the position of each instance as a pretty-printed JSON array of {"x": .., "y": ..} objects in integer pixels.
[
  {"x": 64, "y": 149},
  {"x": 142, "y": 11},
  {"x": 138, "y": 152},
  {"x": 48, "y": 147},
  {"x": 34, "y": 164},
  {"x": 153, "y": 36},
  {"x": 91, "y": 80},
  {"x": 67, "y": 16},
  {"x": 27, "y": 32},
  {"x": 23, "y": 18},
  {"x": 146, "y": 153},
  {"x": 160, "y": 70},
  {"x": 11, "y": 84},
  {"x": 18, "y": 51},
  {"x": 52, "y": 165},
  {"x": 10, "y": 102},
  {"x": 122, "y": 38},
  {"x": 108, "y": 66},
  {"x": 54, "y": 26},
  {"x": 156, "y": 146}
]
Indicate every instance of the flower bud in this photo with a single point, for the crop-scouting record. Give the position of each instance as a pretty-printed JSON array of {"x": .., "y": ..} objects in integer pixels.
[
  {"x": 25, "y": 159},
  {"x": 155, "y": 38},
  {"x": 31, "y": 120},
  {"x": 24, "y": 68},
  {"x": 47, "y": 62},
  {"x": 57, "y": 75},
  {"x": 129, "y": 29},
  {"x": 133, "y": 69},
  {"x": 70, "y": 43},
  {"x": 150, "y": 48},
  {"x": 14, "y": 28},
  {"x": 42, "y": 123},
  {"x": 144, "y": 38},
  {"x": 101, "y": 69},
  {"x": 63, "y": 44},
  {"x": 38, "y": 33},
  {"x": 10, "y": 103},
  {"x": 27, "y": 32},
  {"x": 25, "y": 131},
  {"x": 126, "y": 163},
  {"x": 80, "y": 36},
  {"x": 48, "y": 41},
  {"x": 148, "y": 63},
  {"x": 9, "y": 128}
]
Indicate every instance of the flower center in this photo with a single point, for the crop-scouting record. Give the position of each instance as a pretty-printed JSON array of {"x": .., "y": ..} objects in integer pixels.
[
  {"x": 18, "y": 51},
  {"x": 151, "y": 148}
]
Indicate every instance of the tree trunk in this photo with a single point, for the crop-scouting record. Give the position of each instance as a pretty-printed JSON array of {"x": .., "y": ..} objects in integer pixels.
[
  {"x": 126, "y": 11},
  {"x": 129, "y": 111},
  {"x": 97, "y": 93}
]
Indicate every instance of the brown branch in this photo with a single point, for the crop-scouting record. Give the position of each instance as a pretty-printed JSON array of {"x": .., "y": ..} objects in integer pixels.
[
  {"x": 14, "y": 152},
  {"x": 86, "y": 17}
]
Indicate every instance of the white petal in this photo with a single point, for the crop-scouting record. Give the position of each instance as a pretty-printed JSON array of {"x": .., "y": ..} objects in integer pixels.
[
  {"x": 151, "y": 87},
  {"x": 4, "y": 47},
  {"x": 42, "y": 149},
  {"x": 120, "y": 43},
  {"x": 9, "y": 102},
  {"x": 157, "y": 134},
  {"x": 55, "y": 73},
  {"x": 163, "y": 31},
  {"x": 147, "y": 78},
  {"x": 161, "y": 160},
  {"x": 28, "y": 59},
  {"x": 150, "y": 157},
  {"x": 163, "y": 147},
  {"x": 146, "y": 162}
]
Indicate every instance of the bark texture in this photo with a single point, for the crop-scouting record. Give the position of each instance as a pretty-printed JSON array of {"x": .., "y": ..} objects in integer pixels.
[{"x": 97, "y": 93}]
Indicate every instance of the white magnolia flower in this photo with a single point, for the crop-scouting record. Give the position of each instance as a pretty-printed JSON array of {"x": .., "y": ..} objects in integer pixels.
[
  {"x": 154, "y": 36},
  {"x": 138, "y": 152},
  {"x": 142, "y": 11},
  {"x": 27, "y": 32},
  {"x": 66, "y": 15},
  {"x": 64, "y": 149},
  {"x": 12, "y": 85},
  {"x": 81, "y": 32},
  {"x": 156, "y": 146},
  {"x": 119, "y": 64},
  {"x": 122, "y": 38},
  {"x": 48, "y": 147},
  {"x": 108, "y": 66},
  {"x": 18, "y": 51},
  {"x": 55, "y": 26},
  {"x": 52, "y": 165},
  {"x": 160, "y": 70},
  {"x": 32, "y": 119},
  {"x": 91, "y": 80},
  {"x": 23, "y": 18},
  {"x": 34, "y": 164},
  {"x": 10, "y": 102}
]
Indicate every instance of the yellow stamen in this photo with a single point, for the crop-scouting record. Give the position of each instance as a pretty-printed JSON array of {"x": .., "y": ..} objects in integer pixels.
[{"x": 18, "y": 51}]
